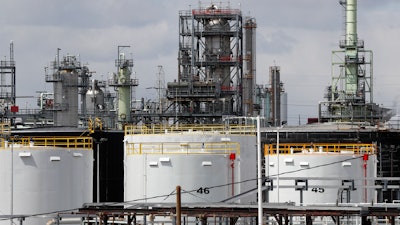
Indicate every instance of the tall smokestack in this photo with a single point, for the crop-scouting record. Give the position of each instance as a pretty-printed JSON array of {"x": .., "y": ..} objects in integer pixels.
[
  {"x": 351, "y": 22},
  {"x": 351, "y": 49}
]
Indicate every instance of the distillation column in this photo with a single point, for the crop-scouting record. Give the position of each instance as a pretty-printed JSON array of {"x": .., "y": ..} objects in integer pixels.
[
  {"x": 123, "y": 84},
  {"x": 275, "y": 83},
  {"x": 350, "y": 97},
  {"x": 124, "y": 93},
  {"x": 249, "y": 77},
  {"x": 65, "y": 78}
]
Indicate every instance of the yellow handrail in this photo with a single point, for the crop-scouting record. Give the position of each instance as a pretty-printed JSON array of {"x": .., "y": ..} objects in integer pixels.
[
  {"x": 295, "y": 148},
  {"x": 5, "y": 129},
  {"x": 61, "y": 142},
  {"x": 160, "y": 129},
  {"x": 183, "y": 148}
]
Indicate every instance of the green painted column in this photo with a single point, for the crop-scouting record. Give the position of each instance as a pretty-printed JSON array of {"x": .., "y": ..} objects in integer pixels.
[
  {"x": 351, "y": 51},
  {"x": 124, "y": 92}
]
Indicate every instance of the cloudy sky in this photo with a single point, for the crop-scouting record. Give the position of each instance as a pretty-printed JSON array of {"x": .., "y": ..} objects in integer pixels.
[{"x": 297, "y": 35}]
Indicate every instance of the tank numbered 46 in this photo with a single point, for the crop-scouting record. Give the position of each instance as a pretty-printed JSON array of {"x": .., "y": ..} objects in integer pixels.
[{"x": 204, "y": 190}]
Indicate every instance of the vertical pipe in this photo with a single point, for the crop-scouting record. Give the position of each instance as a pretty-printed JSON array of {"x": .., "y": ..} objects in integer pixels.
[
  {"x": 58, "y": 58},
  {"x": 275, "y": 95},
  {"x": 259, "y": 177},
  {"x": 193, "y": 56},
  {"x": 301, "y": 197},
  {"x": 348, "y": 196},
  {"x": 12, "y": 64},
  {"x": 12, "y": 184},
  {"x": 277, "y": 152},
  {"x": 12, "y": 52},
  {"x": 233, "y": 177},
  {"x": 365, "y": 182},
  {"x": 98, "y": 173}
]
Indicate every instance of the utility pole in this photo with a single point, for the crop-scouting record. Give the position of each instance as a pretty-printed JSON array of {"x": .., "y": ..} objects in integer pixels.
[{"x": 178, "y": 205}]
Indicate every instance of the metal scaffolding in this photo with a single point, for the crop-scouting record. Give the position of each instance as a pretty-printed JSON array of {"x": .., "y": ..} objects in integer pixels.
[
  {"x": 7, "y": 83},
  {"x": 210, "y": 63},
  {"x": 350, "y": 96}
]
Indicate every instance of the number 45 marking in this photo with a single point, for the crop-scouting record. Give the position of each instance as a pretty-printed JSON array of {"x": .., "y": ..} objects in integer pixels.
[{"x": 318, "y": 190}]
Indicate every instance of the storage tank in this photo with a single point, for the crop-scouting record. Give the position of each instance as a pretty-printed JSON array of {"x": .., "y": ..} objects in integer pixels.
[
  {"x": 43, "y": 175},
  {"x": 210, "y": 164},
  {"x": 321, "y": 173}
]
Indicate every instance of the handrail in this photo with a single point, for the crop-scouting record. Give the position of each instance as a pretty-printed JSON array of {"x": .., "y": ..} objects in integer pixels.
[
  {"x": 215, "y": 11},
  {"x": 5, "y": 129},
  {"x": 61, "y": 142},
  {"x": 296, "y": 148},
  {"x": 216, "y": 148},
  {"x": 160, "y": 129}
]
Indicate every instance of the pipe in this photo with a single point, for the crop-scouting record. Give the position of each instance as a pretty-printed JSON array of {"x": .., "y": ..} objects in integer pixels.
[
  {"x": 259, "y": 176},
  {"x": 365, "y": 158},
  {"x": 233, "y": 177},
  {"x": 98, "y": 173}
]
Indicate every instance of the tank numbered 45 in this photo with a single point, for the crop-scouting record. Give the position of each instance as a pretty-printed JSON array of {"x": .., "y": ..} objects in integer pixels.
[{"x": 318, "y": 190}]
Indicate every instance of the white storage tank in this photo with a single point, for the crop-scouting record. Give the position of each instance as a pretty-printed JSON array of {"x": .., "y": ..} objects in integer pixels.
[
  {"x": 321, "y": 173},
  {"x": 210, "y": 166},
  {"x": 43, "y": 175}
]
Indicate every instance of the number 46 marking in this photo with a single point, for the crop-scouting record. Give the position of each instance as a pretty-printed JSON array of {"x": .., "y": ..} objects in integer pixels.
[{"x": 203, "y": 191}]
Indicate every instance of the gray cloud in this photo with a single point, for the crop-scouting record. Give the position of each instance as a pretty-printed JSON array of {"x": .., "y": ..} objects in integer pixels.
[{"x": 297, "y": 35}]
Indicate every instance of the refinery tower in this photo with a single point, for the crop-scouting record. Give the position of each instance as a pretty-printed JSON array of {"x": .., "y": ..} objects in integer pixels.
[
  {"x": 212, "y": 81},
  {"x": 349, "y": 98}
]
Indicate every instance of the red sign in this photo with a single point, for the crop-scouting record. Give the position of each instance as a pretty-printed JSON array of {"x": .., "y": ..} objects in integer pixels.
[{"x": 14, "y": 108}]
